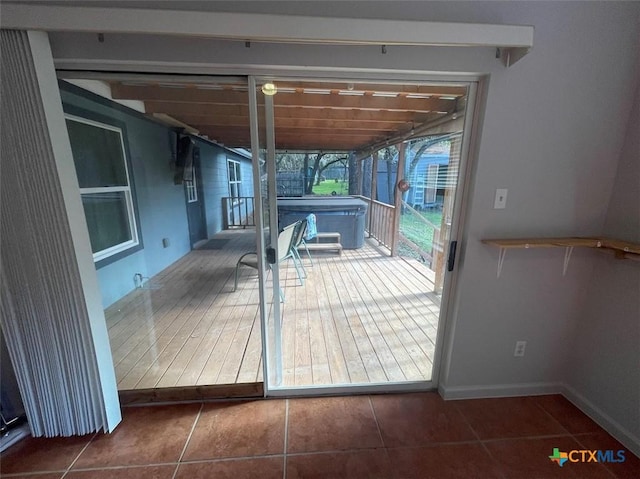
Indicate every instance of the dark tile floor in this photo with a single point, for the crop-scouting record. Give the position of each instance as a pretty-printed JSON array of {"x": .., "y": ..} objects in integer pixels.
[{"x": 389, "y": 436}]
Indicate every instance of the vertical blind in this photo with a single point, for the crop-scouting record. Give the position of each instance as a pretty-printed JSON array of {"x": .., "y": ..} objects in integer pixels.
[{"x": 43, "y": 314}]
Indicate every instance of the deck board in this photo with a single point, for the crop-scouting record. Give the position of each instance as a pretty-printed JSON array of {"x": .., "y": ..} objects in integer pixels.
[{"x": 359, "y": 317}]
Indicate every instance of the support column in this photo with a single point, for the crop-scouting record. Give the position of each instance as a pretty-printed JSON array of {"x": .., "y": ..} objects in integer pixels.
[
  {"x": 374, "y": 189},
  {"x": 397, "y": 199}
]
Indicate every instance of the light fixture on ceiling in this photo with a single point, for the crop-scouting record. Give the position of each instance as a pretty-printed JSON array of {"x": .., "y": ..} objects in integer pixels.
[{"x": 269, "y": 89}]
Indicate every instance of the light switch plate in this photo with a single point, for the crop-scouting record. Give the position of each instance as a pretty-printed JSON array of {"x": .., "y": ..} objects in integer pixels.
[{"x": 501, "y": 199}]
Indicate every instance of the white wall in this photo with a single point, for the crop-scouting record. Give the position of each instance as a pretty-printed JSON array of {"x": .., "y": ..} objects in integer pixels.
[
  {"x": 604, "y": 364},
  {"x": 553, "y": 130}
]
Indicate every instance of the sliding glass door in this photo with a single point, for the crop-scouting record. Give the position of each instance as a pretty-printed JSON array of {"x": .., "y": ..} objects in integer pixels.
[{"x": 378, "y": 167}]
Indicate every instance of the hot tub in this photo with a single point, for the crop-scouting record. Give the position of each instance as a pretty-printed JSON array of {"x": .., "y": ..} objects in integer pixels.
[{"x": 344, "y": 215}]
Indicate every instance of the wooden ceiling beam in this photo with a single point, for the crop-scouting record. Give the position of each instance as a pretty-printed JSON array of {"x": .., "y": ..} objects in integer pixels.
[
  {"x": 302, "y": 124},
  {"x": 180, "y": 110},
  {"x": 303, "y": 142},
  {"x": 295, "y": 144},
  {"x": 120, "y": 91},
  {"x": 242, "y": 132}
]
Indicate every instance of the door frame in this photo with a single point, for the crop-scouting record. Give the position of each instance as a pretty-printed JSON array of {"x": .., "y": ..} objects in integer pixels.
[
  {"x": 470, "y": 137},
  {"x": 477, "y": 83}
]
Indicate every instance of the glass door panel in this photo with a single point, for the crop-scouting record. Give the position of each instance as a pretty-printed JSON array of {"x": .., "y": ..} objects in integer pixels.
[{"x": 378, "y": 166}]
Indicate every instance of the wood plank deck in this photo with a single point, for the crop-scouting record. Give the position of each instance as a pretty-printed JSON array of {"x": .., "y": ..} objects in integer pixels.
[{"x": 359, "y": 317}]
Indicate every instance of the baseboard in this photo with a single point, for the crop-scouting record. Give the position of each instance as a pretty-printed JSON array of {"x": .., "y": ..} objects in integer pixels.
[
  {"x": 613, "y": 427},
  {"x": 499, "y": 390}
]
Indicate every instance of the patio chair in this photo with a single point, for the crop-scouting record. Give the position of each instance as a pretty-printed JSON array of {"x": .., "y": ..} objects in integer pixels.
[
  {"x": 285, "y": 246},
  {"x": 298, "y": 240}
]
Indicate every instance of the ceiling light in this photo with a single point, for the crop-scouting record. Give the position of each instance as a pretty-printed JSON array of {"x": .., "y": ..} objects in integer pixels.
[{"x": 269, "y": 89}]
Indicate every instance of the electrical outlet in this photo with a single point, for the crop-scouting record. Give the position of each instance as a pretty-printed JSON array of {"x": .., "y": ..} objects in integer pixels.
[
  {"x": 501, "y": 199},
  {"x": 520, "y": 346}
]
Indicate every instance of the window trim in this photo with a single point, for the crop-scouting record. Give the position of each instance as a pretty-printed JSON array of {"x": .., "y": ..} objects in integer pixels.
[
  {"x": 191, "y": 187},
  {"x": 235, "y": 200},
  {"x": 119, "y": 251}
]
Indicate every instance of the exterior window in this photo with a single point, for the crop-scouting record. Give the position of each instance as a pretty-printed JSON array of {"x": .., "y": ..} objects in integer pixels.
[
  {"x": 235, "y": 180},
  {"x": 105, "y": 186},
  {"x": 191, "y": 186}
]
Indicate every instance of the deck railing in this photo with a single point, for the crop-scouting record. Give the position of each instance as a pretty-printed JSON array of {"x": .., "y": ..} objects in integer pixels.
[
  {"x": 379, "y": 221},
  {"x": 238, "y": 212}
]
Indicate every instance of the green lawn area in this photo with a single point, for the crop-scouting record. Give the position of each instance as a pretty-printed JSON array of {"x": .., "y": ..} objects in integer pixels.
[
  {"x": 417, "y": 231},
  {"x": 326, "y": 187}
]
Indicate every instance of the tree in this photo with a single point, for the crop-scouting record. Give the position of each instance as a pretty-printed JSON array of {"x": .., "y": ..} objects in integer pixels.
[
  {"x": 309, "y": 178},
  {"x": 343, "y": 160},
  {"x": 310, "y": 165}
]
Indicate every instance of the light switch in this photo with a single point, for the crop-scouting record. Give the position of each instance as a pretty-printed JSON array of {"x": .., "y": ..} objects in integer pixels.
[{"x": 501, "y": 199}]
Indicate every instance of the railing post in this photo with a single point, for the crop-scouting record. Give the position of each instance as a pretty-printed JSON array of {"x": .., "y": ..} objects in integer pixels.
[
  {"x": 374, "y": 186},
  {"x": 398, "y": 200},
  {"x": 226, "y": 214}
]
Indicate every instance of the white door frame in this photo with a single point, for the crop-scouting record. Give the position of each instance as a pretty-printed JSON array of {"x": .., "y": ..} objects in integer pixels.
[
  {"x": 449, "y": 293},
  {"x": 478, "y": 85}
]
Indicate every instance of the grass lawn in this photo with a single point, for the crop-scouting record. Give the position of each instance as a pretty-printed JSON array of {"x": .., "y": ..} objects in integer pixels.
[
  {"x": 418, "y": 231},
  {"x": 326, "y": 187}
]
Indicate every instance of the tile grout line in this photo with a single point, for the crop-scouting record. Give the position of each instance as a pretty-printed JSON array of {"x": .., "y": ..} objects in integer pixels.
[
  {"x": 571, "y": 434},
  {"x": 375, "y": 418},
  {"x": 286, "y": 437},
  {"x": 482, "y": 444},
  {"x": 609, "y": 471},
  {"x": 186, "y": 444},
  {"x": 552, "y": 417},
  {"x": 78, "y": 456}
]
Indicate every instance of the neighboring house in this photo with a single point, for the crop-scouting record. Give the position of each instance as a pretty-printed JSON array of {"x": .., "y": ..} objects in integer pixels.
[
  {"x": 143, "y": 221},
  {"x": 427, "y": 181}
]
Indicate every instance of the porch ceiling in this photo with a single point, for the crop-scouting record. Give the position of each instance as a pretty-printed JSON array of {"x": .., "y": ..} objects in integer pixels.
[{"x": 308, "y": 115}]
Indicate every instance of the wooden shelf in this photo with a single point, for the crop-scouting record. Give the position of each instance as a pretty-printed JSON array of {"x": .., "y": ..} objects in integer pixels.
[
  {"x": 622, "y": 249},
  {"x": 542, "y": 242}
]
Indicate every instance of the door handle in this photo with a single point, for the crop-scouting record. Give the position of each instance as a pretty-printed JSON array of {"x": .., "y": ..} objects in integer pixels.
[
  {"x": 271, "y": 255},
  {"x": 451, "y": 261}
]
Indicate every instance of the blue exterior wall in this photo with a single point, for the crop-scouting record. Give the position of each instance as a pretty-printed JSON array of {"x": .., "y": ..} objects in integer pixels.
[
  {"x": 421, "y": 168},
  {"x": 387, "y": 197},
  {"x": 215, "y": 181},
  {"x": 161, "y": 205}
]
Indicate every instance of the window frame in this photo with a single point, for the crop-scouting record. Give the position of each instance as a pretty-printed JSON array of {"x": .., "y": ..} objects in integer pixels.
[
  {"x": 237, "y": 182},
  {"x": 121, "y": 250},
  {"x": 191, "y": 186}
]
